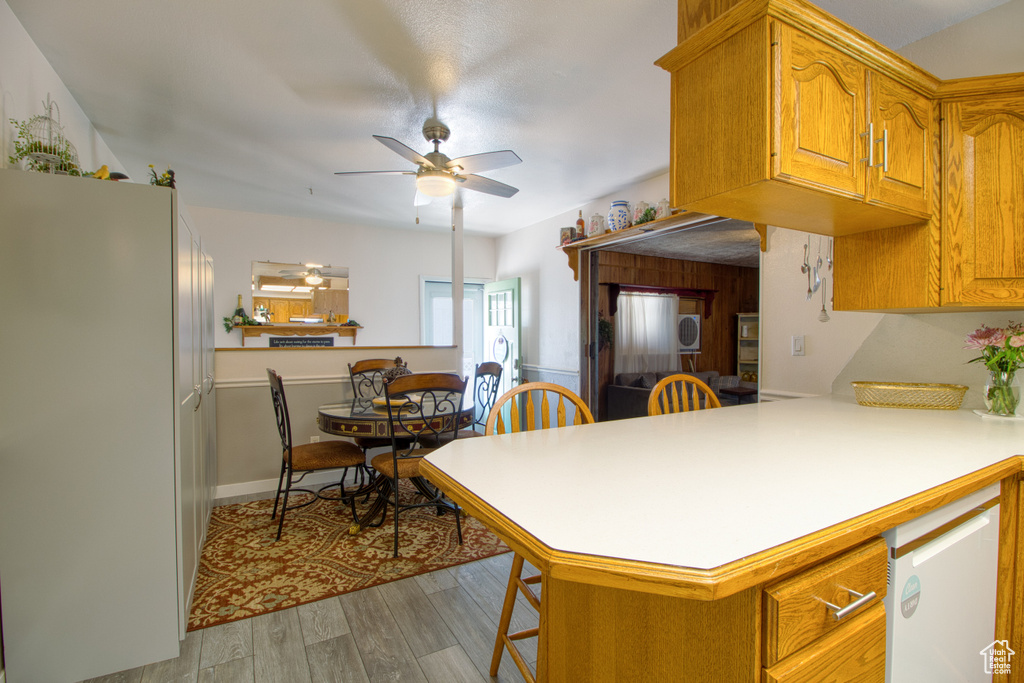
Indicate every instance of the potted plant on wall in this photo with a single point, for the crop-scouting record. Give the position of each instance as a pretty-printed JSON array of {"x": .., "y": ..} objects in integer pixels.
[{"x": 605, "y": 332}]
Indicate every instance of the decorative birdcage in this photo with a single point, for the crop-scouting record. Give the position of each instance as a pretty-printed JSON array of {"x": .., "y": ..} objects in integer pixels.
[{"x": 43, "y": 146}]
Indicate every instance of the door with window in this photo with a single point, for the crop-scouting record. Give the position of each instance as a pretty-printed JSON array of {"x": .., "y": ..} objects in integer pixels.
[{"x": 502, "y": 330}]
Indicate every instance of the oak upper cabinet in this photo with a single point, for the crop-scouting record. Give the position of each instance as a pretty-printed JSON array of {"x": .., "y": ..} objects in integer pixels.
[
  {"x": 901, "y": 128},
  {"x": 821, "y": 113},
  {"x": 783, "y": 115},
  {"x": 971, "y": 254},
  {"x": 983, "y": 200}
]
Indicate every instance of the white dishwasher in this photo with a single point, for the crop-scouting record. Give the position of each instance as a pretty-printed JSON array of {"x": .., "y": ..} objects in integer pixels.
[{"x": 941, "y": 600}]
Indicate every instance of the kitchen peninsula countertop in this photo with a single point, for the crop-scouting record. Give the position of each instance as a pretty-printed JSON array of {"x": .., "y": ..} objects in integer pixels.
[{"x": 713, "y": 502}]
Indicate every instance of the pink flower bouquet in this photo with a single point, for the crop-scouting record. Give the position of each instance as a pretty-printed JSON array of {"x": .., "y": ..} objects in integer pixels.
[{"x": 1002, "y": 352}]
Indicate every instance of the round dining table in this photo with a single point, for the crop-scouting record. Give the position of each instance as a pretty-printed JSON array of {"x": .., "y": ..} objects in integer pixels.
[{"x": 368, "y": 418}]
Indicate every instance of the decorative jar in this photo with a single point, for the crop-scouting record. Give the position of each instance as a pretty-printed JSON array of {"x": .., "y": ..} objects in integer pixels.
[
  {"x": 663, "y": 209},
  {"x": 638, "y": 212},
  {"x": 618, "y": 215},
  {"x": 1002, "y": 393},
  {"x": 596, "y": 225}
]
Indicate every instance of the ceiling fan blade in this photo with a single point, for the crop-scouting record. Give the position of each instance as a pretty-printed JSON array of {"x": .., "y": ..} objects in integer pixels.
[
  {"x": 488, "y": 161},
  {"x": 481, "y": 184},
  {"x": 421, "y": 199},
  {"x": 404, "y": 150},
  {"x": 334, "y": 272},
  {"x": 375, "y": 173}
]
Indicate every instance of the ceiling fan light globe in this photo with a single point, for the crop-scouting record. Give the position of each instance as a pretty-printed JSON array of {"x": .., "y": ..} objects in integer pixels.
[
  {"x": 435, "y": 183},
  {"x": 313, "y": 279}
]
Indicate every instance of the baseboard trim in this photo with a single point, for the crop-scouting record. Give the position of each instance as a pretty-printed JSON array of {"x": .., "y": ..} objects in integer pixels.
[{"x": 226, "y": 493}]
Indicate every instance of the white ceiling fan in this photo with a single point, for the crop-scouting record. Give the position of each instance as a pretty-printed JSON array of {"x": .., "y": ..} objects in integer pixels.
[
  {"x": 439, "y": 176},
  {"x": 313, "y": 273}
]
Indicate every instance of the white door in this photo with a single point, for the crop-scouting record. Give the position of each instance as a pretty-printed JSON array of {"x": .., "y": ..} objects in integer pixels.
[{"x": 502, "y": 330}]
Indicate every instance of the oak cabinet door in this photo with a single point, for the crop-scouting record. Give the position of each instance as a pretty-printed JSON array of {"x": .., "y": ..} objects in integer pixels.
[
  {"x": 983, "y": 201},
  {"x": 821, "y": 114},
  {"x": 901, "y": 126}
]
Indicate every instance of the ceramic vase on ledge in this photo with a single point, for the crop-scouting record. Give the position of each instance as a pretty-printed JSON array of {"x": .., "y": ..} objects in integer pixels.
[
  {"x": 1002, "y": 393},
  {"x": 618, "y": 215}
]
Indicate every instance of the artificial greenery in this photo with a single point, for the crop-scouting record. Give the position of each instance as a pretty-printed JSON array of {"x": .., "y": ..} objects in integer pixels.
[
  {"x": 25, "y": 145},
  {"x": 246, "y": 320},
  {"x": 646, "y": 217},
  {"x": 605, "y": 332},
  {"x": 165, "y": 179}
]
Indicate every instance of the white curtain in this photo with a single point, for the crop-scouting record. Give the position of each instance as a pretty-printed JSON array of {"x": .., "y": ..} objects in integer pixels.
[{"x": 645, "y": 333}]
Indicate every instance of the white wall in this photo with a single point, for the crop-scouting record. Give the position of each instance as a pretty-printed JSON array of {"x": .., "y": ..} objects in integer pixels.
[
  {"x": 785, "y": 312},
  {"x": 384, "y": 266},
  {"x": 551, "y": 298},
  {"x": 25, "y": 80}
]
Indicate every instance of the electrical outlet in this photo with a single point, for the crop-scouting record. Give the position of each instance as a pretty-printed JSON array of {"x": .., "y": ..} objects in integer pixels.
[
  {"x": 314, "y": 439},
  {"x": 798, "y": 345}
]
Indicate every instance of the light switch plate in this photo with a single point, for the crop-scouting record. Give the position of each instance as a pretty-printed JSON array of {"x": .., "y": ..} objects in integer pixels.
[{"x": 798, "y": 345}]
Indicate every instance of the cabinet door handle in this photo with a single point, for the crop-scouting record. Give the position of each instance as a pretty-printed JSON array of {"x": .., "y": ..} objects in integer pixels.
[
  {"x": 840, "y": 612},
  {"x": 885, "y": 150},
  {"x": 870, "y": 135}
]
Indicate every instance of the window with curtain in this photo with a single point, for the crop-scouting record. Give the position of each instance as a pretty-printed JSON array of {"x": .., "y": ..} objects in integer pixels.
[{"x": 645, "y": 333}]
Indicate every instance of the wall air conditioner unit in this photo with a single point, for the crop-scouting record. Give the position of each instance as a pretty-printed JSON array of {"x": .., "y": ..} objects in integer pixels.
[{"x": 688, "y": 332}]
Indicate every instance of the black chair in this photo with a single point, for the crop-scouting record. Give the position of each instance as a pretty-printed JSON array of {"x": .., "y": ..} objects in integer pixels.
[
  {"x": 306, "y": 458},
  {"x": 485, "y": 390},
  {"x": 421, "y": 406},
  {"x": 368, "y": 377}
]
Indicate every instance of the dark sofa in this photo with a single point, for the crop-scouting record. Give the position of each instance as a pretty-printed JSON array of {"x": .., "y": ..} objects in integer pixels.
[{"x": 629, "y": 393}]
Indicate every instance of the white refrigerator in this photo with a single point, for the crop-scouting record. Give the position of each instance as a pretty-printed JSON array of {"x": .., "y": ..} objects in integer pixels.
[{"x": 941, "y": 600}]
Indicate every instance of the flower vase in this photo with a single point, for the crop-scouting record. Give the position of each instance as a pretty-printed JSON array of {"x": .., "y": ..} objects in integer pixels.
[{"x": 1002, "y": 393}]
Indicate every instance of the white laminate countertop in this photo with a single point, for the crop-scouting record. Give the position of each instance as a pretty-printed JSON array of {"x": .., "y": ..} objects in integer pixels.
[{"x": 706, "y": 488}]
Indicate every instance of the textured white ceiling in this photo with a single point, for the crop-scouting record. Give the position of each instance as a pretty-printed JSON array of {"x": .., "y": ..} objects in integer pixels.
[{"x": 256, "y": 103}]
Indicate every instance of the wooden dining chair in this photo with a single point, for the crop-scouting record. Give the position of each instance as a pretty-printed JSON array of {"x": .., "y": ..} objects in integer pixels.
[
  {"x": 306, "y": 458},
  {"x": 531, "y": 406},
  {"x": 680, "y": 394},
  {"x": 422, "y": 406}
]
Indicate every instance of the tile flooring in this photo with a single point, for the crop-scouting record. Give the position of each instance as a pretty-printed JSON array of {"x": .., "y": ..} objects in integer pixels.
[{"x": 433, "y": 627}]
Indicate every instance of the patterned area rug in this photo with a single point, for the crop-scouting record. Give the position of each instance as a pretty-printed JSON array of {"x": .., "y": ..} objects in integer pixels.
[{"x": 243, "y": 572}]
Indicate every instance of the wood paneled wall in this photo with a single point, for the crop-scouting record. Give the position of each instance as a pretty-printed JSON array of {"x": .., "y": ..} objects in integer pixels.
[{"x": 736, "y": 291}]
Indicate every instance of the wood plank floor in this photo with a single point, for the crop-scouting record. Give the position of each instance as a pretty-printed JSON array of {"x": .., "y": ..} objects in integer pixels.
[{"x": 433, "y": 627}]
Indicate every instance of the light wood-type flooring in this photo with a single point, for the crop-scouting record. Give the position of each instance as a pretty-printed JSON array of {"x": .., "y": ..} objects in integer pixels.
[{"x": 433, "y": 627}]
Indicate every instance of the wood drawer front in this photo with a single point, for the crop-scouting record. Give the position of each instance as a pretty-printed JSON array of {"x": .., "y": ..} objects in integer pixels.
[
  {"x": 854, "y": 653},
  {"x": 795, "y": 614}
]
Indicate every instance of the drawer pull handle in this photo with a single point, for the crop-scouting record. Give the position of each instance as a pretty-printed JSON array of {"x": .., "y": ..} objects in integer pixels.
[{"x": 840, "y": 612}]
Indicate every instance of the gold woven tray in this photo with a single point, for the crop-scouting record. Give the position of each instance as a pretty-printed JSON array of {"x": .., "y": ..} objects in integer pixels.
[{"x": 909, "y": 395}]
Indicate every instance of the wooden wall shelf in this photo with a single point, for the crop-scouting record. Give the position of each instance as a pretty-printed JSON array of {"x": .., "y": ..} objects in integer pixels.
[
  {"x": 684, "y": 220},
  {"x": 299, "y": 330}
]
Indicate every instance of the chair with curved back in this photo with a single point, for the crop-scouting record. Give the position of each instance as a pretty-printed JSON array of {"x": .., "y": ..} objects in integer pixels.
[
  {"x": 679, "y": 394},
  {"x": 307, "y": 457},
  {"x": 421, "y": 406},
  {"x": 487, "y": 381},
  {"x": 524, "y": 414},
  {"x": 367, "y": 377}
]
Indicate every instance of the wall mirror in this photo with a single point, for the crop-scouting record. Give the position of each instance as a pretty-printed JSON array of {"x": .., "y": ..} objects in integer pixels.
[{"x": 284, "y": 293}]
